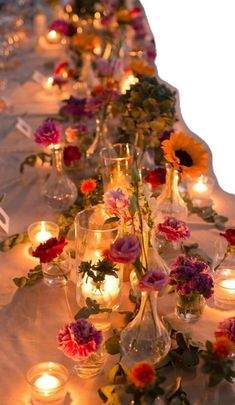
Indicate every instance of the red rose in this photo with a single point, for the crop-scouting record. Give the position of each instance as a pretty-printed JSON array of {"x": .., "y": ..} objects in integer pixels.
[
  {"x": 156, "y": 177},
  {"x": 230, "y": 236},
  {"x": 71, "y": 154},
  {"x": 50, "y": 249}
]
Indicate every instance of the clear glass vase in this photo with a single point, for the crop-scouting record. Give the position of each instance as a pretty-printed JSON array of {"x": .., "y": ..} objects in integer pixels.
[
  {"x": 92, "y": 365},
  {"x": 93, "y": 237},
  {"x": 100, "y": 141},
  {"x": 57, "y": 272},
  {"x": 59, "y": 191},
  {"x": 210, "y": 396},
  {"x": 170, "y": 202},
  {"x": 145, "y": 338},
  {"x": 117, "y": 165},
  {"x": 189, "y": 307}
]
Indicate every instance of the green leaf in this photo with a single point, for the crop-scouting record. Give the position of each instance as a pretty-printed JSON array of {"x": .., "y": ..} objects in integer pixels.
[
  {"x": 111, "y": 220},
  {"x": 34, "y": 276},
  {"x": 20, "y": 282},
  {"x": 133, "y": 205},
  {"x": 112, "y": 345}
]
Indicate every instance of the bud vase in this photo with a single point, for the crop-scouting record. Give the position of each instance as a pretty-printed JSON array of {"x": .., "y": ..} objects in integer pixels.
[
  {"x": 92, "y": 365},
  {"x": 100, "y": 141},
  {"x": 56, "y": 273},
  {"x": 145, "y": 338},
  {"x": 170, "y": 202},
  {"x": 189, "y": 307},
  {"x": 59, "y": 191}
]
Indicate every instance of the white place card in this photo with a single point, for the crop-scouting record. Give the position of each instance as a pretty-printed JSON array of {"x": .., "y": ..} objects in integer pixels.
[
  {"x": 24, "y": 127},
  {"x": 39, "y": 78},
  {"x": 4, "y": 221}
]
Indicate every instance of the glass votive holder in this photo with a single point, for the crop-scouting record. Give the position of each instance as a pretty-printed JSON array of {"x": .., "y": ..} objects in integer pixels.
[
  {"x": 41, "y": 231},
  {"x": 224, "y": 290},
  {"x": 47, "y": 383},
  {"x": 117, "y": 166},
  {"x": 200, "y": 190}
]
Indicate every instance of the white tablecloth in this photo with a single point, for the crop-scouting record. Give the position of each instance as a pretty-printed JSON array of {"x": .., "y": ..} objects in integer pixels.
[{"x": 31, "y": 318}]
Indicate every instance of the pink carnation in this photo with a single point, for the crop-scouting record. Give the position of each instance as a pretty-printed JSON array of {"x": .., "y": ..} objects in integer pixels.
[
  {"x": 227, "y": 328},
  {"x": 49, "y": 133},
  {"x": 79, "y": 339},
  {"x": 153, "y": 280},
  {"x": 125, "y": 250},
  {"x": 173, "y": 229},
  {"x": 117, "y": 203}
]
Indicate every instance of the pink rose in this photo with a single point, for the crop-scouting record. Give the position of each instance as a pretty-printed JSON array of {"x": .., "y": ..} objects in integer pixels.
[
  {"x": 125, "y": 250},
  {"x": 153, "y": 280}
]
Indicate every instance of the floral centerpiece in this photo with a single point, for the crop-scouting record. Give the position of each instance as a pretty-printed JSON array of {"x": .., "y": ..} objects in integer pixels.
[{"x": 193, "y": 285}]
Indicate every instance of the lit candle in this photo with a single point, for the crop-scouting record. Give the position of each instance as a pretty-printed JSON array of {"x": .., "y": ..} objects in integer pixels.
[
  {"x": 127, "y": 82},
  {"x": 107, "y": 293},
  {"x": 47, "y": 382},
  {"x": 225, "y": 288},
  {"x": 41, "y": 231},
  {"x": 53, "y": 37},
  {"x": 200, "y": 187},
  {"x": 43, "y": 235},
  {"x": 48, "y": 84}
]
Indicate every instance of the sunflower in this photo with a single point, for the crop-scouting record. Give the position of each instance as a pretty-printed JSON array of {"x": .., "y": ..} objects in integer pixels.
[{"x": 185, "y": 154}]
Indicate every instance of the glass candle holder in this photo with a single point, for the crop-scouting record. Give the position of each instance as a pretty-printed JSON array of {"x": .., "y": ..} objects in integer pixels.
[
  {"x": 200, "y": 190},
  {"x": 53, "y": 37},
  {"x": 41, "y": 231},
  {"x": 224, "y": 290},
  {"x": 57, "y": 272},
  {"x": 117, "y": 162},
  {"x": 93, "y": 237},
  {"x": 47, "y": 382}
]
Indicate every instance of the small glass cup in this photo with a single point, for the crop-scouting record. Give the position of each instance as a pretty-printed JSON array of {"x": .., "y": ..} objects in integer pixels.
[
  {"x": 200, "y": 190},
  {"x": 92, "y": 365},
  {"x": 48, "y": 382},
  {"x": 56, "y": 273},
  {"x": 118, "y": 162},
  {"x": 41, "y": 231},
  {"x": 189, "y": 307}
]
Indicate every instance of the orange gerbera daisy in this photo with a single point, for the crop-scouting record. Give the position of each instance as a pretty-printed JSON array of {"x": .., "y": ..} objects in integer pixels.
[
  {"x": 87, "y": 186},
  {"x": 142, "y": 68},
  {"x": 223, "y": 347},
  {"x": 87, "y": 42},
  {"x": 123, "y": 16},
  {"x": 185, "y": 154}
]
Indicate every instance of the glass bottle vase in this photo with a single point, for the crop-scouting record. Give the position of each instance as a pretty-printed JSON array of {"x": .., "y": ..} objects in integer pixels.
[
  {"x": 145, "y": 338},
  {"x": 100, "y": 141},
  {"x": 59, "y": 191},
  {"x": 170, "y": 202},
  {"x": 189, "y": 307}
]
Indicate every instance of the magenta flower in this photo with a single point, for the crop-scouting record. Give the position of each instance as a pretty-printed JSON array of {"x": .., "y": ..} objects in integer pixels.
[
  {"x": 71, "y": 155},
  {"x": 49, "y": 133},
  {"x": 74, "y": 108},
  {"x": 153, "y": 280},
  {"x": 173, "y": 229},
  {"x": 79, "y": 339},
  {"x": 227, "y": 328},
  {"x": 117, "y": 203},
  {"x": 125, "y": 250}
]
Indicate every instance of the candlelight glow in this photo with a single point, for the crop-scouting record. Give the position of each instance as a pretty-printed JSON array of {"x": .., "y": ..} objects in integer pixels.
[
  {"x": 53, "y": 37},
  {"x": 200, "y": 187},
  {"x": 43, "y": 235},
  {"x": 230, "y": 284},
  {"x": 47, "y": 382}
]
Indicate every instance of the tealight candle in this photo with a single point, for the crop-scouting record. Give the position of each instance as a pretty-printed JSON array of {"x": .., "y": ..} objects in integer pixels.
[
  {"x": 200, "y": 190},
  {"x": 48, "y": 382},
  {"x": 225, "y": 288},
  {"x": 53, "y": 37},
  {"x": 48, "y": 84},
  {"x": 41, "y": 231}
]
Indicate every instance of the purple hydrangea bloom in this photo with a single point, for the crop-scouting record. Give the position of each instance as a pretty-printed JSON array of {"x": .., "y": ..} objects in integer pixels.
[{"x": 49, "y": 133}]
